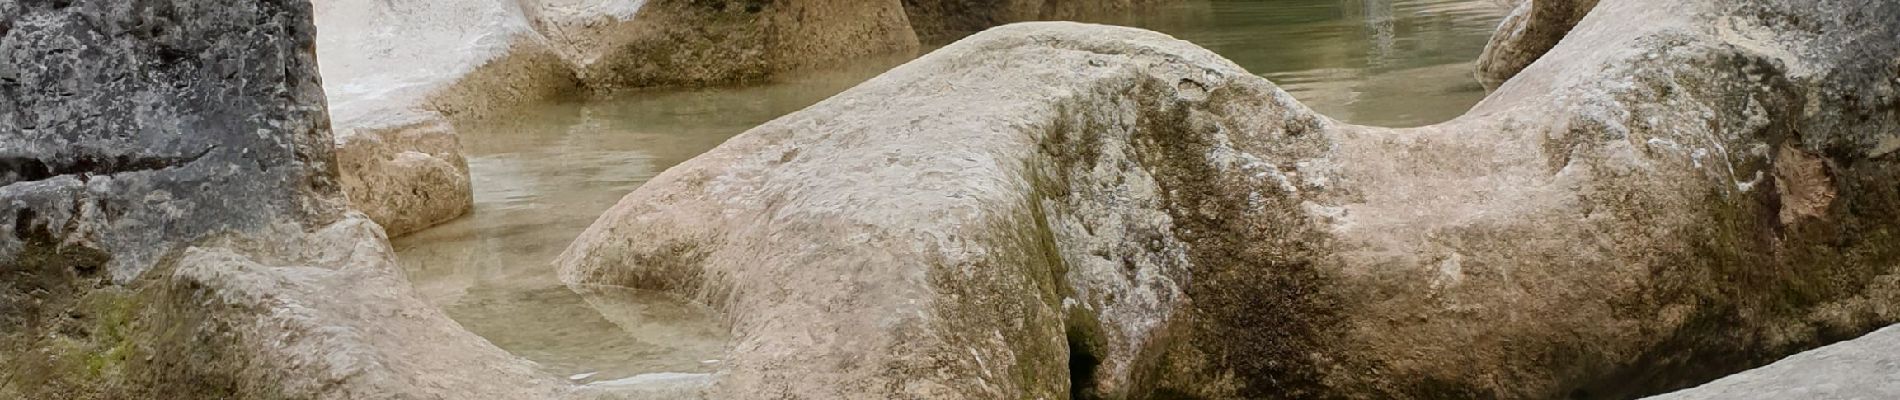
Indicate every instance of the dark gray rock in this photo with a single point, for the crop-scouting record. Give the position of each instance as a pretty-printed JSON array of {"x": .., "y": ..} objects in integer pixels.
[
  {"x": 131, "y": 127},
  {"x": 128, "y": 130},
  {"x": 171, "y": 225}
]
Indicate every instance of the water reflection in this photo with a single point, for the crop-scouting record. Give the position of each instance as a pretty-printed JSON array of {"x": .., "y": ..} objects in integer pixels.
[
  {"x": 544, "y": 174},
  {"x": 1376, "y": 62}
]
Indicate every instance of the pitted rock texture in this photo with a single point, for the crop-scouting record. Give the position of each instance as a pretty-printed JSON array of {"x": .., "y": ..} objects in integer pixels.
[
  {"x": 407, "y": 175},
  {"x": 117, "y": 117},
  {"x": 644, "y": 43},
  {"x": 1531, "y": 29},
  {"x": 397, "y": 72},
  {"x": 1685, "y": 189}
]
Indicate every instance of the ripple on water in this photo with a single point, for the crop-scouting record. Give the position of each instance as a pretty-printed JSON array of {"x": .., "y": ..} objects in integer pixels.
[
  {"x": 601, "y": 333},
  {"x": 1376, "y": 62}
]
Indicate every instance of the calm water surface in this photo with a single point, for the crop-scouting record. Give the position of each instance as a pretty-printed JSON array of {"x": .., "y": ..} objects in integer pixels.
[{"x": 543, "y": 175}]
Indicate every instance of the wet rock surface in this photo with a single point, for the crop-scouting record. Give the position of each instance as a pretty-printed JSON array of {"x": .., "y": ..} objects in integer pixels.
[{"x": 1684, "y": 190}]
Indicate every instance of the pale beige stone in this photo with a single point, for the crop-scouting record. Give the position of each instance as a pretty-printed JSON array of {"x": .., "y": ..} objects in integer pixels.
[
  {"x": 1131, "y": 216},
  {"x": 398, "y": 71},
  {"x": 645, "y": 43},
  {"x": 1531, "y": 29}
]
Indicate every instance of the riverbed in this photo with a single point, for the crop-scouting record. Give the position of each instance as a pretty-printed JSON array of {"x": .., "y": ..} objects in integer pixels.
[{"x": 544, "y": 173}]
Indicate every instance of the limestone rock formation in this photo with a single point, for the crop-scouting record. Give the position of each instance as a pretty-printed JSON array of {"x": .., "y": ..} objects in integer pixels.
[
  {"x": 1682, "y": 190},
  {"x": 398, "y": 71},
  {"x": 1532, "y": 28},
  {"x": 126, "y": 128},
  {"x": 171, "y": 223},
  {"x": 642, "y": 43},
  {"x": 942, "y": 21}
]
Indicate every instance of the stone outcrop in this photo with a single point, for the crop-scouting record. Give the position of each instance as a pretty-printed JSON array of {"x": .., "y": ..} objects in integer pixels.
[
  {"x": 1862, "y": 368},
  {"x": 642, "y": 43},
  {"x": 126, "y": 128},
  {"x": 943, "y": 21},
  {"x": 1532, "y": 28},
  {"x": 1683, "y": 189},
  {"x": 397, "y": 73},
  {"x": 172, "y": 226}
]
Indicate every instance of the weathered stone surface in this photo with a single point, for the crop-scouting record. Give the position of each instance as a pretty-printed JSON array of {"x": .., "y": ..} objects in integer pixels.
[
  {"x": 406, "y": 175},
  {"x": 321, "y": 316},
  {"x": 1863, "y": 368},
  {"x": 1687, "y": 189},
  {"x": 942, "y": 21},
  {"x": 171, "y": 224},
  {"x": 397, "y": 72},
  {"x": 129, "y": 126},
  {"x": 639, "y": 43},
  {"x": 1531, "y": 29}
]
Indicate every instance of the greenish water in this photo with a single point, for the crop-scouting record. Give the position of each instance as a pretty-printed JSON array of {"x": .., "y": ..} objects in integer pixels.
[
  {"x": 1375, "y": 62},
  {"x": 544, "y": 174}
]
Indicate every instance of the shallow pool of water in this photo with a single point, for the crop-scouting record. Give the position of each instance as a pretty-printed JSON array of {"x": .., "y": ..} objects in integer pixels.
[
  {"x": 1376, "y": 62},
  {"x": 544, "y": 174}
]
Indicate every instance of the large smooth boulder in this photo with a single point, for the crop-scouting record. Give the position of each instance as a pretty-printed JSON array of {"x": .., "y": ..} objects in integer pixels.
[
  {"x": 1679, "y": 191},
  {"x": 172, "y": 226},
  {"x": 1531, "y": 29},
  {"x": 644, "y": 43},
  {"x": 398, "y": 72},
  {"x": 1863, "y": 368}
]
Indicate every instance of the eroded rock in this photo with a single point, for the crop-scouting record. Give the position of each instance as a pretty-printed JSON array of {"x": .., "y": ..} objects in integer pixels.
[
  {"x": 1531, "y": 29},
  {"x": 397, "y": 72},
  {"x": 127, "y": 127},
  {"x": 643, "y": 43},
  {"x": 1131, "y": 216},
  {"x": 171, "y": 223}
]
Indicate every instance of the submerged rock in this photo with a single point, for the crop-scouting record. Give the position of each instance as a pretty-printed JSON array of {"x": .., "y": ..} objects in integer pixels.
[
  {"x": 1682, "y": 190},
  {"x": 398, "y": 71},
  {"x": 642, "y": 43},
  {"x": 1532, "y": 28}
]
